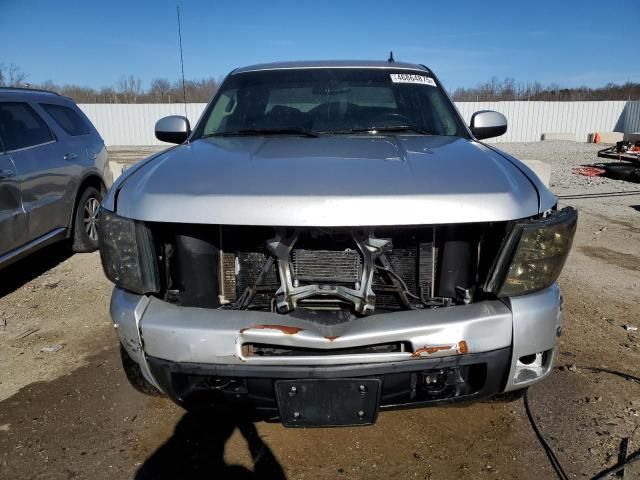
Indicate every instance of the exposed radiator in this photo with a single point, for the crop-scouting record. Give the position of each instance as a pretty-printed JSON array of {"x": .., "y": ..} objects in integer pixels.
[
  {"x": 325, "y": 266},
  {"x": 227, "y": 277},
  {"x": 413, "y": 258},
  {"x": 416, "y": 266}
]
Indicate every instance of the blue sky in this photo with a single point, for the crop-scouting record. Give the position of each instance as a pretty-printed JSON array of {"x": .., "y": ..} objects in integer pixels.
[{"x": 94, "y": 43}]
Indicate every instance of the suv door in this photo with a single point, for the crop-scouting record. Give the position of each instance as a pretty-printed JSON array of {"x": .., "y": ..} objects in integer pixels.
[
  {"x": 76, "y": 131},
  {"x": 13, "y": 226},
  {"x": 42, "y": 168}
]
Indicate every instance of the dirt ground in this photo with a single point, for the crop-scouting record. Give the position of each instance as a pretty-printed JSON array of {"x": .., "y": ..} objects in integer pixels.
[{"x": 71, "y": 414}]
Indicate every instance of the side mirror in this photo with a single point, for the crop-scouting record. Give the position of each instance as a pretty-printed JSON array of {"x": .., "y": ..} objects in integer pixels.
[
  {"x": 173, "y": 129},
  {"x": 488, "y": 124}
]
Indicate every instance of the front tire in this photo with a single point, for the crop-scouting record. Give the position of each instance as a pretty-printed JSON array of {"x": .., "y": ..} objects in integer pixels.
[
  {"x": 508, "y": 397},
  {"x": 85, "y": 225},
  {"x": 134, "y": 375}
]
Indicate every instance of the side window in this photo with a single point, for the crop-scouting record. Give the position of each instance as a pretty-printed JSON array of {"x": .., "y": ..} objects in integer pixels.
[
  {"x": 21, "y": 127},
  {"x": 68, "y": 119}
]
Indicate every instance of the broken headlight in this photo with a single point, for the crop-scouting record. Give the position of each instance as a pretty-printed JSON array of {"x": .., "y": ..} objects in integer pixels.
[
  {"x": 533, "y": 254},
  {"x": 127, "y": 253}
]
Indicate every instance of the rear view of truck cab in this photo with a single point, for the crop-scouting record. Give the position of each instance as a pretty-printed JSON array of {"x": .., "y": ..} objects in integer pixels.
[{"x": 329, "y": 241}]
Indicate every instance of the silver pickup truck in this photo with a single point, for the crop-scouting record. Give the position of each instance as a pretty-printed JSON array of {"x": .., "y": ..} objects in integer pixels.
[{"x": 331, "y": 240}]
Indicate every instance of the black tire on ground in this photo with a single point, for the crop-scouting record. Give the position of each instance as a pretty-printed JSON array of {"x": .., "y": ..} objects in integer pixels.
[
  {"x": 85, "y": 232},
  {"x": 620, "y": 172},
  {"x": 135, "y": 377},
  {"x": 507, "y": 397}
]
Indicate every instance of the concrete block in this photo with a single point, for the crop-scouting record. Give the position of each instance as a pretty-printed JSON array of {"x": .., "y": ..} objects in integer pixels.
[
  {"x": 540, "y": 168},
  {"x": 116, "y": 168},
  {"x": 566, "y": 136},
  {"x": 607, "y": 137}
]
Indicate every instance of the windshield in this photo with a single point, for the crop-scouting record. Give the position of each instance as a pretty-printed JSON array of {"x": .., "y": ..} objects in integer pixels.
[{"x": 331, "y": 100}]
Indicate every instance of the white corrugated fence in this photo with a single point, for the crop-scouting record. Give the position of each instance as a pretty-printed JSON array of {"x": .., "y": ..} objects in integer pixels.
[{"x": 132, "y": 124}]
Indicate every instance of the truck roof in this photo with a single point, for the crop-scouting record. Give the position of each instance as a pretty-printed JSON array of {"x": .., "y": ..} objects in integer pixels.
[{"x": 376, "y": 64}]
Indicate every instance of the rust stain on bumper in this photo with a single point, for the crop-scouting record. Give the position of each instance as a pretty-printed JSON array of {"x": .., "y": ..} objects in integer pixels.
[
  {"x": 283, "y": 328},
  {"x": 460, "y": 347},
  {"x": 420, "y": 352},
  {"x": 331, "y": 339}
]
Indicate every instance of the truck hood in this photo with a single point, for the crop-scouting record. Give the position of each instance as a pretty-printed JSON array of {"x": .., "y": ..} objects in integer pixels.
[{"x": 327, "y": 181}]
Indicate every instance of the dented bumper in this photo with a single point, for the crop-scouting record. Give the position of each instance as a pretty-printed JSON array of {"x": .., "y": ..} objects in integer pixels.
[{"x": 524, "y": 329}]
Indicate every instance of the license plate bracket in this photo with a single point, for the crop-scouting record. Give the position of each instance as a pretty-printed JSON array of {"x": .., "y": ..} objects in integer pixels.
[{"x": 328, "y": 402}]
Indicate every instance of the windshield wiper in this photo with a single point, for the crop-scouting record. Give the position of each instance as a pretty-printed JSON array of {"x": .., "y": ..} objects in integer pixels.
[
  {"x": 387, "y": 128},
  {"x": 264, "y": 131}
]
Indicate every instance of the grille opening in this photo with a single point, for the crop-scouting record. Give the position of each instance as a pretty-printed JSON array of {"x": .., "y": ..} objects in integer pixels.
[
  {"x": 329, "y": 258},
  {"x": 236, "y": 267},
  {"x": 267, "y": 350}
]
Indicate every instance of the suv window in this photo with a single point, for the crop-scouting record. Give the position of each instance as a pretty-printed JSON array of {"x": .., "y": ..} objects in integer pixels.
[
  {"x": 21, "y": 127},
  {"x": 68, "y": 119}
]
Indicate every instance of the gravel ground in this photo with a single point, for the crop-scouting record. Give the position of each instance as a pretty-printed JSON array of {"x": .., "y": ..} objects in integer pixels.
[
  {"x": 71, "y": 414},
  {"x": 564, "y": 157}
]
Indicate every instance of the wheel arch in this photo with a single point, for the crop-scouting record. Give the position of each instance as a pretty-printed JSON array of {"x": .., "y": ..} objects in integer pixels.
[{"x": 90, "y": 179}]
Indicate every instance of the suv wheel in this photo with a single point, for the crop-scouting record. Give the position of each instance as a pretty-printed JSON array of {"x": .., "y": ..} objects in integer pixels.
[
  {"x": 85, "y": 226},
  {"x": 135, "y": 377}
]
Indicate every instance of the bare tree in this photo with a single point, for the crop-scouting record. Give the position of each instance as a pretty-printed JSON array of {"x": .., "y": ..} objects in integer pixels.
[
  {"x": 508, "y": 89},
  {"x": 108, "y": 95},
  {"x": 16, "y": 76},
  {"x": 130, "y": 87},
  {"x": 197, "y": 90},
  {"x": 12, "y": 76},
  {"x": 49, "y": 85},
  {"x": 160, "y": 89}
]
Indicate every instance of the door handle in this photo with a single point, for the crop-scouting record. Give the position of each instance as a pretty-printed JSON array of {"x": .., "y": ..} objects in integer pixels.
[
  {"x": 6, "y": 174},
  {"x": 70, "y": 156}
]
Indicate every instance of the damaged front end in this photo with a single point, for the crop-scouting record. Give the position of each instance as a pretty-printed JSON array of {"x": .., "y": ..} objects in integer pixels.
[{"x": 433, "y": 313}]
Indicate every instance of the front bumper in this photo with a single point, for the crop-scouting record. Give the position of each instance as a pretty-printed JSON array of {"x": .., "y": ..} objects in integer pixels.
[{"x": 489, "y": 347}]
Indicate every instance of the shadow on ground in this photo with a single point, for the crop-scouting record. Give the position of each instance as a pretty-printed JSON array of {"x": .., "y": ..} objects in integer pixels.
[
  {"x": 32, "y": 266},
  {"x": 196, "y": 450}
]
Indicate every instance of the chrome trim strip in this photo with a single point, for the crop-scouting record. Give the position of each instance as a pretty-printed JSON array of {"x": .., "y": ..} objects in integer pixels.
[{"x": 30, "y": 147}]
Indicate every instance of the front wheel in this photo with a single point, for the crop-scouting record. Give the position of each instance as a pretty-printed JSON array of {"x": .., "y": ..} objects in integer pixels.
[
  {"x": 134, "y": 375},
  {"x": 508, "y": 397},
  {"x": 85, "y": 224}
]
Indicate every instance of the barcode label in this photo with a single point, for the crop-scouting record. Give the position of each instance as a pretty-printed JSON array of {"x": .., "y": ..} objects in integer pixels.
[{"x": 412, "y": 78}]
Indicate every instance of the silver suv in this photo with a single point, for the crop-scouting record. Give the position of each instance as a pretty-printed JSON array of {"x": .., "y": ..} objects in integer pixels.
[
  {"x": 329, "y": 241},
  {"x": 53, "y": 173}
]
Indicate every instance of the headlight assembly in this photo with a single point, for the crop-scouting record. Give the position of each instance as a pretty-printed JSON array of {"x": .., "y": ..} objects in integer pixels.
[
  {"x": 127, "y": 253},
  {"x": 533, "y": 254}
]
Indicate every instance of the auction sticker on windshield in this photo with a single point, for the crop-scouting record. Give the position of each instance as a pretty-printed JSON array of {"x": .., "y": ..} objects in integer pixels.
[{"x": 411, "y": 78}]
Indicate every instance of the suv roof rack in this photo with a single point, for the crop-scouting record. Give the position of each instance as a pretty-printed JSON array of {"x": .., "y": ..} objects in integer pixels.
[{"x": 26, "y": 89}]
